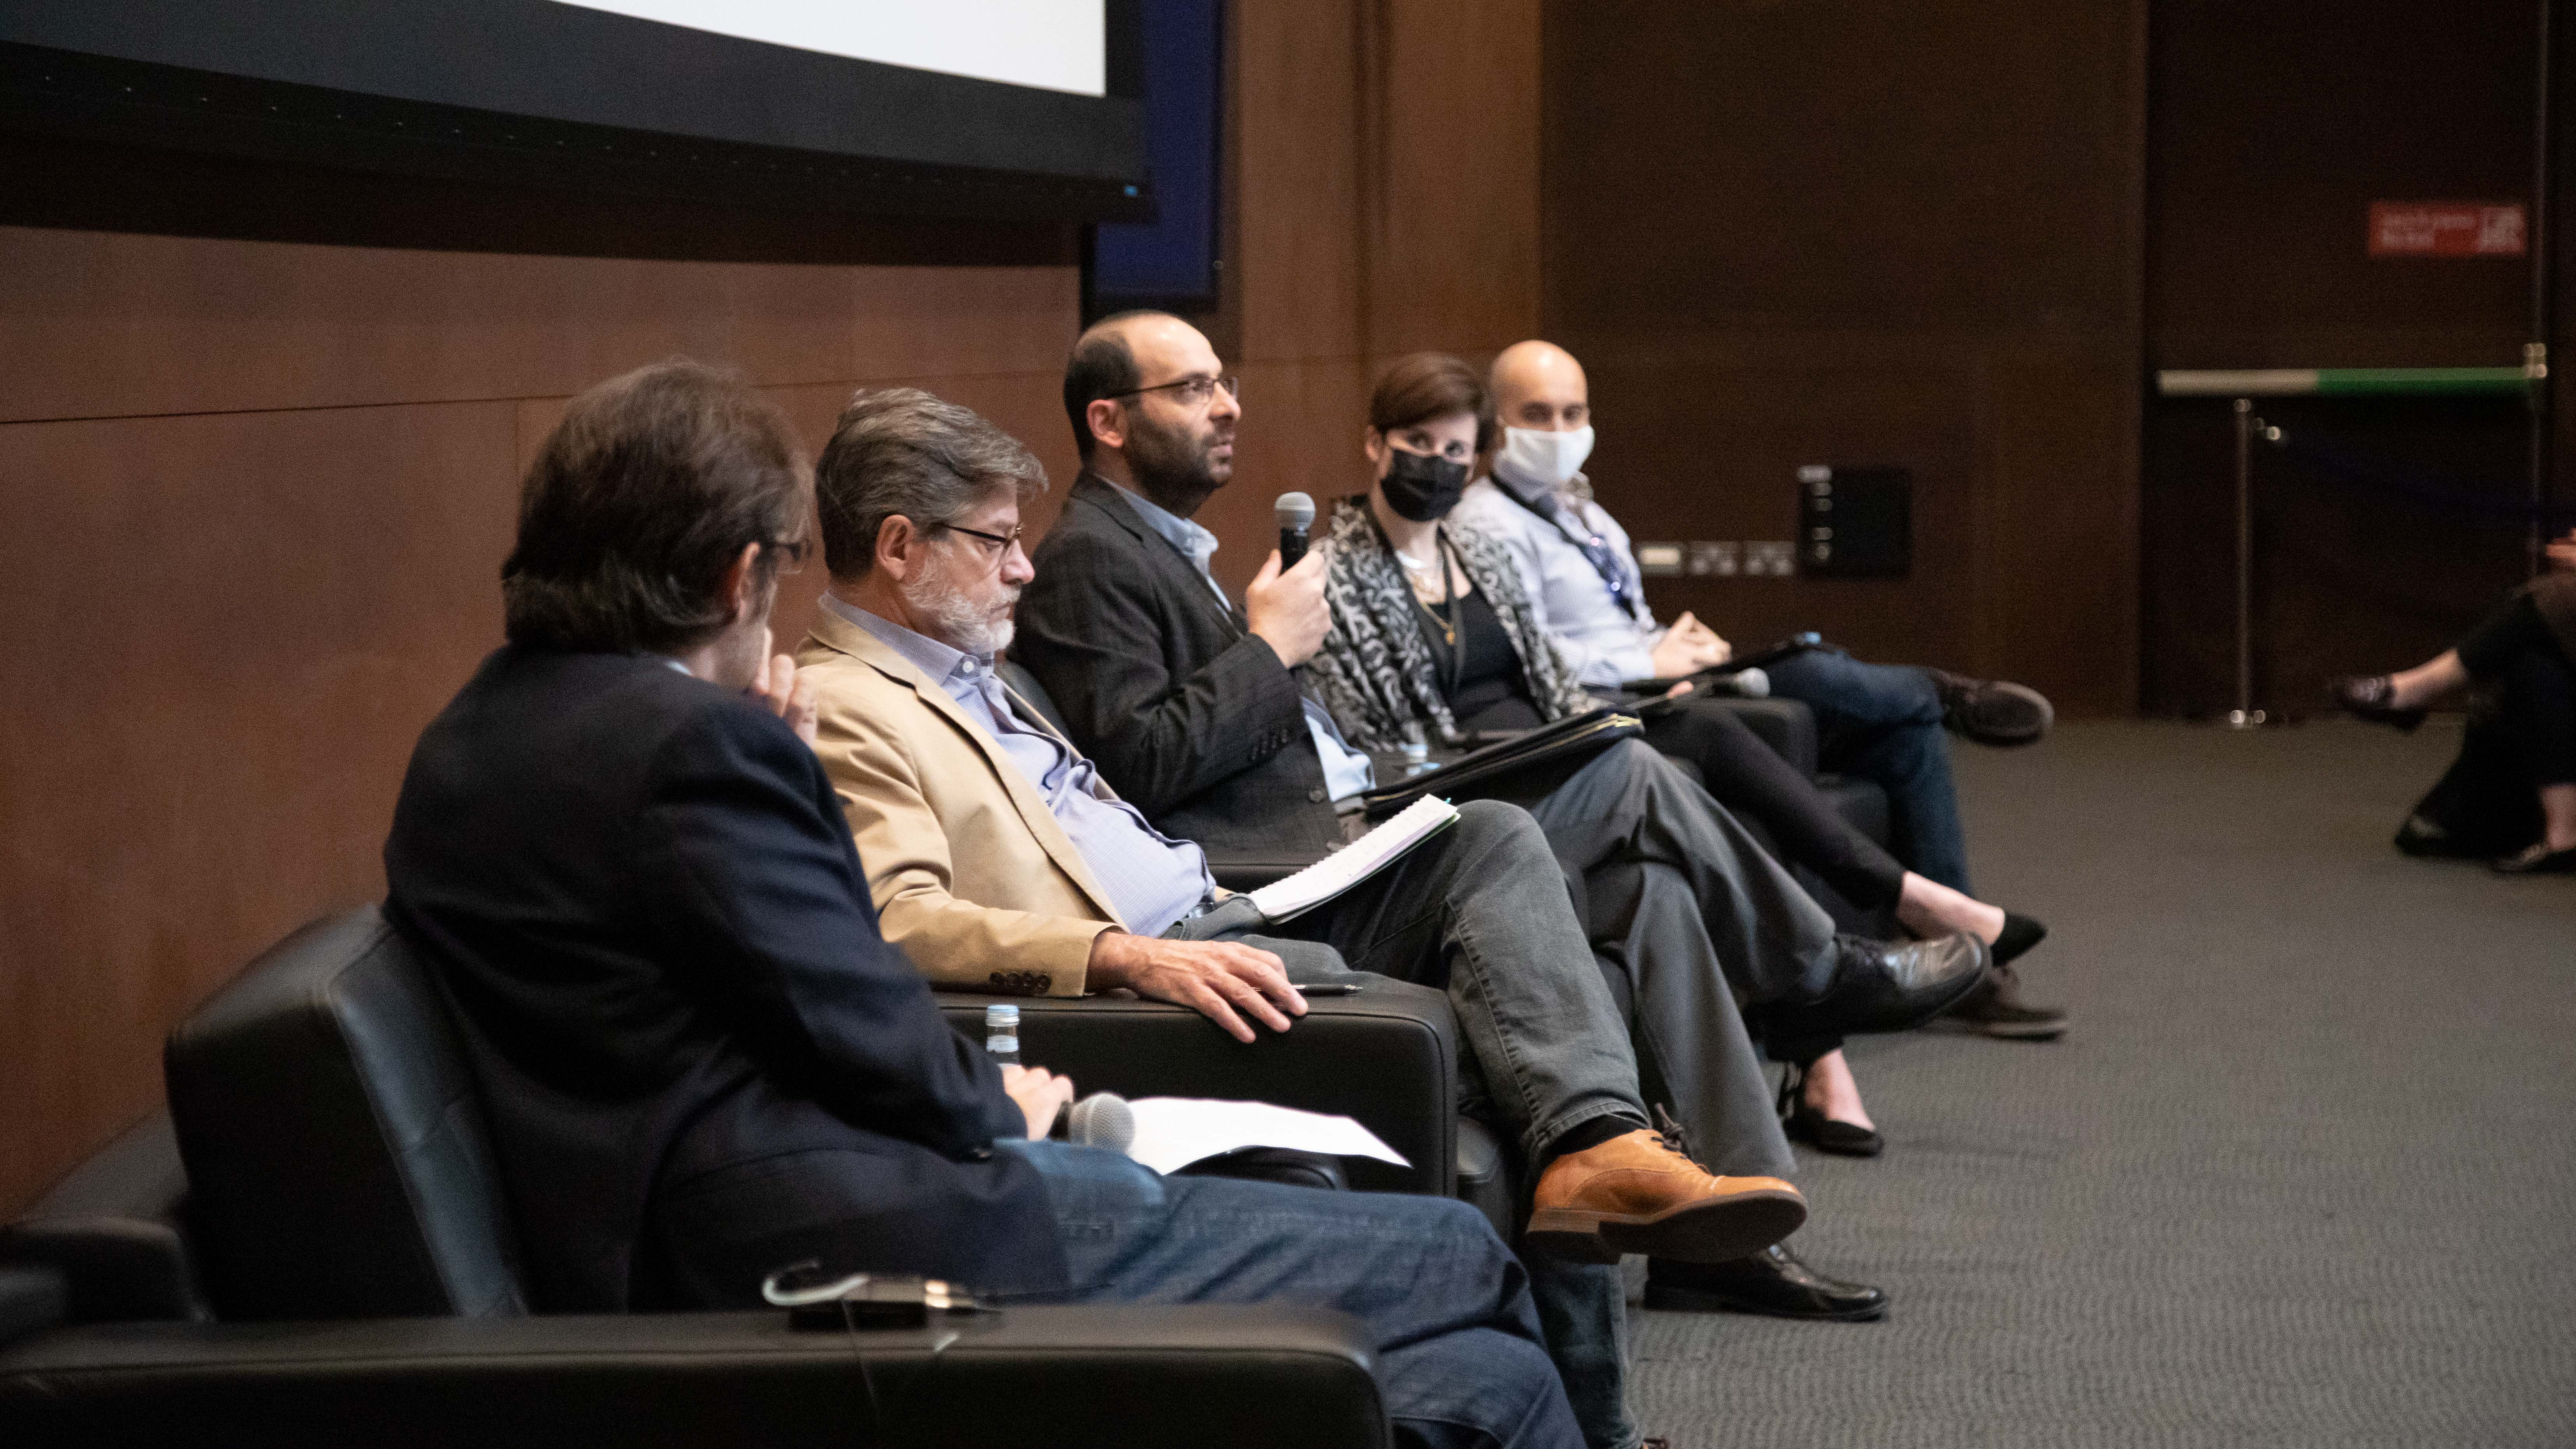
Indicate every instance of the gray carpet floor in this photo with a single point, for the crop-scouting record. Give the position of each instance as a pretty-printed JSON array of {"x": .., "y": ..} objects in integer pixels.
[{"x": 2301, "y": 1173}]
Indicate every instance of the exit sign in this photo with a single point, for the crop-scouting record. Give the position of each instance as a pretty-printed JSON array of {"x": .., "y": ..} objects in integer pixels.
[{"x": 2446, "y": 229}]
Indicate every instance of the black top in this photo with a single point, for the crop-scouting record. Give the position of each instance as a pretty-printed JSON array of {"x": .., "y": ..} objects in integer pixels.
[
  {"x": 700, "y": 1058},
  {"x": 1490, "y": 689},
  {"x": 1192, "y": 719}
]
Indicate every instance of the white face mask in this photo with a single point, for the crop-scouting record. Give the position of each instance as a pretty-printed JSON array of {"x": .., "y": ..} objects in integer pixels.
[{"x": 1536, "y": 459}]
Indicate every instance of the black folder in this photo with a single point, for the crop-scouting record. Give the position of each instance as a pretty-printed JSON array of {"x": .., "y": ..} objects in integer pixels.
[{"x": 1479, "y": 772}]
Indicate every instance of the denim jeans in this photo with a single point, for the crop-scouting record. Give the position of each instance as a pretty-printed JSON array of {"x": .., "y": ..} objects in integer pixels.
[
  {"x": 1482, "y": 912},
  {"x": 1882, "y": 723},
  {"x": 1459, "y": 1354}
]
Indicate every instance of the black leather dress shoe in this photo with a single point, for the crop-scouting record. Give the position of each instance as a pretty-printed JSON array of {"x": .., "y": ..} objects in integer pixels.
[
  {"x": 1772, "y": 1281},
  {"x": 2368, "y": 697},
  {"x": 1882, "y": 986},
  {"x": 2539, "y": 859},
  {"x": 1992, "y": 711}
]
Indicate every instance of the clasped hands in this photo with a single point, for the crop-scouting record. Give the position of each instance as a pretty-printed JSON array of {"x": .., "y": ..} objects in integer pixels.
[{"x": 1688, "y": 647}]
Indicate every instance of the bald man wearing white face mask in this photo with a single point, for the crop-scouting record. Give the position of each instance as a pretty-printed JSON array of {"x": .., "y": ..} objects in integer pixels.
[{"x": 1884, "y": 723}]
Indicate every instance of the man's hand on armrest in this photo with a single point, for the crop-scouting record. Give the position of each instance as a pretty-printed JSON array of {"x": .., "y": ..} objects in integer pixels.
[
  {"x": 1040, "y": 1093},
  {"x": 1213, "y": 978}
]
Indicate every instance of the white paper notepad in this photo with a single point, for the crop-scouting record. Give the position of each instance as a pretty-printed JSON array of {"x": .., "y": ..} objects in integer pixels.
[
  {"x": 1173, "y": 1132},
  {"x": 1356, "y": 861}
]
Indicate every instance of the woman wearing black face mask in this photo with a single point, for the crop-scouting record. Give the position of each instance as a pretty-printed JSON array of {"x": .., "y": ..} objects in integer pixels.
[{"x": 1432, "y": 640}]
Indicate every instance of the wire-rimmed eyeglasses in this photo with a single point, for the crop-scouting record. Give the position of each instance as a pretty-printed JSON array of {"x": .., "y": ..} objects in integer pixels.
[{"x": 1196, "y": 392}]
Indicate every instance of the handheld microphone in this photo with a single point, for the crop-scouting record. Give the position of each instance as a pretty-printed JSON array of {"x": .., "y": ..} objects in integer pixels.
[
  {"x": 1102, "y": 1119},
  {"x": 1295, "y": 513}
]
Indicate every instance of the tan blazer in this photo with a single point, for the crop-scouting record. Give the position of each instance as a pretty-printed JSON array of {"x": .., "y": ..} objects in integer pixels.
[{"x": 973, "y": 878}]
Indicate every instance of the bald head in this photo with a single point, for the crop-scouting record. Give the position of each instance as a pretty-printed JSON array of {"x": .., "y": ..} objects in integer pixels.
[{"x": 1539, "y": 386}]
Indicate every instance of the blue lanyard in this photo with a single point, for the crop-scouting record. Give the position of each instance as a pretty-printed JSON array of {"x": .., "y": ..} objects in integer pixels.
[{"x": 1596, "y": 551}]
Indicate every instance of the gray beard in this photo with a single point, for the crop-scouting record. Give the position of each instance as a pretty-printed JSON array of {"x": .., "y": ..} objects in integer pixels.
[{"x": 960, "y": 624}]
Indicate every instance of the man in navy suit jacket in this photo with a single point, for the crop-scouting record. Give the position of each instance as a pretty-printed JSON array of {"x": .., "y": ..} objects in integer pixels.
[{"x": 701, "y": 1060}]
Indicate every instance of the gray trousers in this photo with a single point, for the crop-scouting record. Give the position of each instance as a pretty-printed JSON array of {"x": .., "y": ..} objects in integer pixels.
[
  {"x": 1689, "y": 916},
  {"x": 1482, "y": 912}
]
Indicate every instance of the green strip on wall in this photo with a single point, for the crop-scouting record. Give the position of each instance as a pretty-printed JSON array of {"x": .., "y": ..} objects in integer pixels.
[{"x": 2351, "y": 381}]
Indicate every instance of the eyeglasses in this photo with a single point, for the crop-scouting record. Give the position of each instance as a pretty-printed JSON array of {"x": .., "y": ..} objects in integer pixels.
[
  {"x": 1002, "y": 543},
  {"x": 1197, "y": 392},
  {"x": 795, "y": 551}
]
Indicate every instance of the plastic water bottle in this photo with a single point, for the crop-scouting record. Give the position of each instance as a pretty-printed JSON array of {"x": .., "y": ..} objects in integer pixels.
[
  {"x": 1417, "y": 758},
  {"x": 1002, "y": 1034}
]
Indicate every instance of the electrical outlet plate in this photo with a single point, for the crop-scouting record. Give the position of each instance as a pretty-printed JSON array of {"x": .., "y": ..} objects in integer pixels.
[{"x": 1715, "y": 560}]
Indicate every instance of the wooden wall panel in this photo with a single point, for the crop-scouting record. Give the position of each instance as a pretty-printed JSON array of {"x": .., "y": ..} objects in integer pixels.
[
  {"x": 267, "y": 552},
  {"x": 101, "y": 325},
  {"x": 231, "y": 628},
  {"x": 1296, "y": 150},
  {"x": 1453, "y": 265},
  {"x": 1866, "y": 233}
]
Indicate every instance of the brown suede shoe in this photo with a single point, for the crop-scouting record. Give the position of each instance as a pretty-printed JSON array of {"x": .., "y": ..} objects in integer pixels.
[{"x": 1635, "y": 1194}]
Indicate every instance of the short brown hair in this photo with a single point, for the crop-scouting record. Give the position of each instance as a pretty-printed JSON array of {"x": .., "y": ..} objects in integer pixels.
[
  {"x": 639, "y": 501},
  {"x": 1424, "y": 385},
  {"x": 899, "y": 450}
]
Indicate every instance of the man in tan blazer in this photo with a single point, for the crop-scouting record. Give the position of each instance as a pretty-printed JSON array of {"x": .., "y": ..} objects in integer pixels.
[{"x": 998, "y": 859}]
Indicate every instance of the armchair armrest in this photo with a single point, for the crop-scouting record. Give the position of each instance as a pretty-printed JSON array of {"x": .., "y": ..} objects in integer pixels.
[
  {"x": 115, "y": 1229},
  {"x": 1786, "y": 725},
  {"x": 1251, "y": 875},
  {"x": 1073, "y": 1377},
  {"x": 1387, "y": 1056},
  {"x": 31, "y": 1298}
]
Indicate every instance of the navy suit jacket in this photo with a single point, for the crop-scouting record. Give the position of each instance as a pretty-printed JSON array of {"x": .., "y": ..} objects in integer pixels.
[{"x": 700, "y": 1059}]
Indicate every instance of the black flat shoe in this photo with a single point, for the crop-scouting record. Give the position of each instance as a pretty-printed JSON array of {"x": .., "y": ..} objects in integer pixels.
[
  {"x": 2020, "y": 933},
  {"x": 2367, "y": 697},
  {"x": 2538, "y": 860},
  {"x": 1800, "y": 1122},
  {"x": 1882, "y": 986},
  {"x": 1771, "y": 1282}
]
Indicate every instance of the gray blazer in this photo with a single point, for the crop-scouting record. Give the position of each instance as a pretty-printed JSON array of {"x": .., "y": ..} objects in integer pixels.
[{"x": 1192, "y": 718}]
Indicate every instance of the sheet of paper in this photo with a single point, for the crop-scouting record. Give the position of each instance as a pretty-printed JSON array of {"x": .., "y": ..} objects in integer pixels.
[
  {"x": 1173, "y": 1132},
  {"x": 1356, "y": 861}
]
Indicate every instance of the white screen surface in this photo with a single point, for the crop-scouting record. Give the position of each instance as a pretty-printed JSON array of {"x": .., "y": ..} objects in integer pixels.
[{"x": 1057, "y": 45}]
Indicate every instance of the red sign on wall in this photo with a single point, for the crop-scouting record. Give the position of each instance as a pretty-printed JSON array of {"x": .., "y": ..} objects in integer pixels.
[{"x": 2446, "y": 229}]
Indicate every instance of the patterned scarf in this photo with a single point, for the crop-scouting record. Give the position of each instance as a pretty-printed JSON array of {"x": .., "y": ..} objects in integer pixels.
[{"x": 1376, "y": 674}]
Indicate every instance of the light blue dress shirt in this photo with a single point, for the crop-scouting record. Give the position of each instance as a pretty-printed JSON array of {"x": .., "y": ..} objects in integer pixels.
[
  {"x": 1606, "y": 643},
  {"x": 1152, "y": 879},
  {"x": 1346, "y": 771}
]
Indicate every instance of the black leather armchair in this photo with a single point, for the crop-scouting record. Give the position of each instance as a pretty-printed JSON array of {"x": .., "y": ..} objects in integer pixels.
[{"x": 339, "y": 1207}]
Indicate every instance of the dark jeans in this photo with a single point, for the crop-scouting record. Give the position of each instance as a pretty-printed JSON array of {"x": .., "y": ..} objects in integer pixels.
[
  {"x": 1481, "y": 911},
  {"x": 1748, "y": 777},
  {"x": 1882, "y": 723},
  {"x": 1459, "y": 1354},
  {"x": 2514, "y": 648}
]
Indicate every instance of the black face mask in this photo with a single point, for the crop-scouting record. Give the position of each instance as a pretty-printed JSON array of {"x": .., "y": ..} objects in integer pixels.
[{"x": 1422, "y": 486}]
